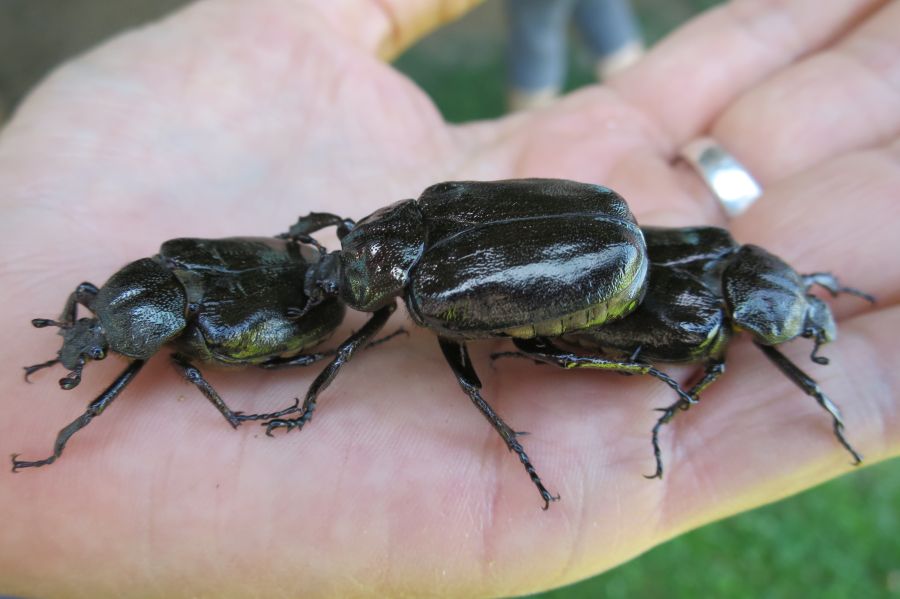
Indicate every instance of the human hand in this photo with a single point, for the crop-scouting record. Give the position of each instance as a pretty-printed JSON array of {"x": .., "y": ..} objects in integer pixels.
[{"x": 232, "y": 118}]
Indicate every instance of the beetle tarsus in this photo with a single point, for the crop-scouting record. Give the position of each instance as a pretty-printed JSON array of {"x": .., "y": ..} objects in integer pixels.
[
  {"x": 830, "y": 283},
  {"x": 288, "y": 423},
  {"x": 713, "y": 371},
  {"x": 343, "y": 354},
  {"x": 94, "y": 409},
  {"x": 811, "y": 388},
  {"x": 457, "y": 356},
  {"x": 668, "y": 413},
  {"x": 241, "y": 417}
]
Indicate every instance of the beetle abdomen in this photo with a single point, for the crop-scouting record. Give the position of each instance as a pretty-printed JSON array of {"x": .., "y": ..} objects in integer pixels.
[
  {"x": 527, "y": 277},
  {"x": 240, "y": 291},
  {"x": 679, "y": 320}
]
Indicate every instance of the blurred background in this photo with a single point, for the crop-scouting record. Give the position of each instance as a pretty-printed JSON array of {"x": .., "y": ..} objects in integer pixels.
[{"x": 839, "y": 540}]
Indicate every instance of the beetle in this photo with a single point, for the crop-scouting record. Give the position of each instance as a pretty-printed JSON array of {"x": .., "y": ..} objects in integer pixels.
[
  {"x": 479, "y": 259},
  {"x": 232, "y": 302},
  {"x": 704, "y": 287}
]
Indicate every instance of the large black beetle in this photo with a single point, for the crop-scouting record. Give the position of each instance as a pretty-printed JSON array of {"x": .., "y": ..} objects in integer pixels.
[
  {"x": 230, "y": 301},
  {"x": 517, "y": 258},
  {"x": 703, "y": 287}
]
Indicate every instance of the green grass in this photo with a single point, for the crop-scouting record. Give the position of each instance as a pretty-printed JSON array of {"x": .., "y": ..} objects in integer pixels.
[{"x": 839, "y": 540}]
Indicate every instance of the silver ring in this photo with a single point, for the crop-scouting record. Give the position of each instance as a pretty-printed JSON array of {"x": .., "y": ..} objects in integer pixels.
[{"x": 727, "y": 179}]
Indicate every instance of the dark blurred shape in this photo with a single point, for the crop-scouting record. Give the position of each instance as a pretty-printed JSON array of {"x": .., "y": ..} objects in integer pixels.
[
  {"x": 537, "y": 53},
  {"x": 36, "y": 35}
]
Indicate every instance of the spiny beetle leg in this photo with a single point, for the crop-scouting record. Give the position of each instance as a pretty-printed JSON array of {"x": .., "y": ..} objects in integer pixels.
[
  {"x": 84, "y": 294},
  {"x": 457, "y": 355},
  {"x": 95, "y": 408},
  {"x": 713, "y": 371},
  {"x": 811, "y": 388},
  {"x": 29, "y": 370},
  {"x": 193, "y": 375},
  {"x": 316, "y": 221},
  {"x": 344, "y": 352},
  {"x": 309, "y": 359},
  {"x": 542, "y": 349},
  {"x": 829, "y": 282}
]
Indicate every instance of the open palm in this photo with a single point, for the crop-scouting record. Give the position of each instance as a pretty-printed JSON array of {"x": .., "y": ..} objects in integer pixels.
[{"x": 232, "y": 118}]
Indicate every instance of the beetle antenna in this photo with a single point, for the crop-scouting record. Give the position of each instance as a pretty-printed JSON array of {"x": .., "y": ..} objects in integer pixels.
[
  {"x": 40, "y": 323},
  {"x": 818, "y": 342},
  {"x": 71, "y": 380}
]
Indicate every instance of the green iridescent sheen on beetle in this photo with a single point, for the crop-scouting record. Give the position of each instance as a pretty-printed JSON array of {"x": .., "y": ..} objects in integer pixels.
[
  {"x": 702, "y": 288},
  {"x": 479, "y": 259},
  {"x": 229, "y": 302}
]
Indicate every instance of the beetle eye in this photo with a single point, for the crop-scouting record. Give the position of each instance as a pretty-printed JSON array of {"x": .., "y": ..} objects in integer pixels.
[{"x": 97, "y": 353}]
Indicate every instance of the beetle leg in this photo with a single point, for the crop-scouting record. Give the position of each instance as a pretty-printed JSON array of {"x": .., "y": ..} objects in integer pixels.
[
  {"x": 542, "y": 349},
  {"x": 457, "y": 356},
  {"x": 95, "y": 408},
  {"x": 344, "y": 352},
  {"x": 308, "y": 359},
  {"x": 829, "y": 282},
  {"x": 811, "y": 388},
  {"x": 298, "y": 360},
  {"x": 316, "y": 221},
  {"x": 29, "y": 370},
  {"x": 84, "y": 294},
  {"x": 713, "y": 371},
  {"x": 193, "y": 375}
]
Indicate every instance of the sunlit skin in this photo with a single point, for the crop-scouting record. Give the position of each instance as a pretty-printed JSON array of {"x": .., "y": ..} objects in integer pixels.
[{"x": 233, "y": 118}]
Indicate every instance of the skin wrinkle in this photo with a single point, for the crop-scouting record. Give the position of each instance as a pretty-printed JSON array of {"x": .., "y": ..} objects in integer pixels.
[
  {"x": 578, "y": 531},
  {"x": 391, "y": 16},
  {"x": 754, "y": 20},
  {"x": 873, "y": 357},
  {"x": 878, "y": 79},
  {"x": 669, "y": 509},
  {"x": 490, "y": 525},
  {"x": 875, "y": 45}
]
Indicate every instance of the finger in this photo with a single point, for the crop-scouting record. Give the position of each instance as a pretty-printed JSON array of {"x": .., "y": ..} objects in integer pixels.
[
  {"x": 689, "y": 78},
  {"x": 836, "y": 101},
  {"x": 839, "y": 216},
  {"x": 387, "y": 27}
]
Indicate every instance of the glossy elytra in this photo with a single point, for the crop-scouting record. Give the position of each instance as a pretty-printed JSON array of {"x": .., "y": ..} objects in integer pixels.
[
  {"x": 703, "y": 288},
  {"x": 478, "y": 259}
]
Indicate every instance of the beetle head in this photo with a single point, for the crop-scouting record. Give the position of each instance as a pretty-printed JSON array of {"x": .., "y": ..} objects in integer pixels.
[
  {"x": 83, "y": 340},
  {"x": 819, "y": 326}
]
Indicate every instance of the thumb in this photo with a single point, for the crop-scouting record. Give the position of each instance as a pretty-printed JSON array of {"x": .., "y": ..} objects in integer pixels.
[{"x": 387, "y": 27}]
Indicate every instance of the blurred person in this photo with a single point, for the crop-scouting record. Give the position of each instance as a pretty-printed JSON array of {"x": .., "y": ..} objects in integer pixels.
[{"x": 537, "y": 51}]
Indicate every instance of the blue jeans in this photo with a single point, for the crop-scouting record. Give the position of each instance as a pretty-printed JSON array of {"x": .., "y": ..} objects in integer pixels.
[{"x": 538, "y": 30}]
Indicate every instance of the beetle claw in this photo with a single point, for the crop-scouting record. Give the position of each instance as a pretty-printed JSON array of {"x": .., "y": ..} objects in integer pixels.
[{"x": 288, "y": 423}]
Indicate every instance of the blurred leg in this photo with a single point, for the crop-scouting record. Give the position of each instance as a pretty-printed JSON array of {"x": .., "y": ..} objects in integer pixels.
[
  {"x": 536, "y": 55},
  {"x": 611, "y": 32}
]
